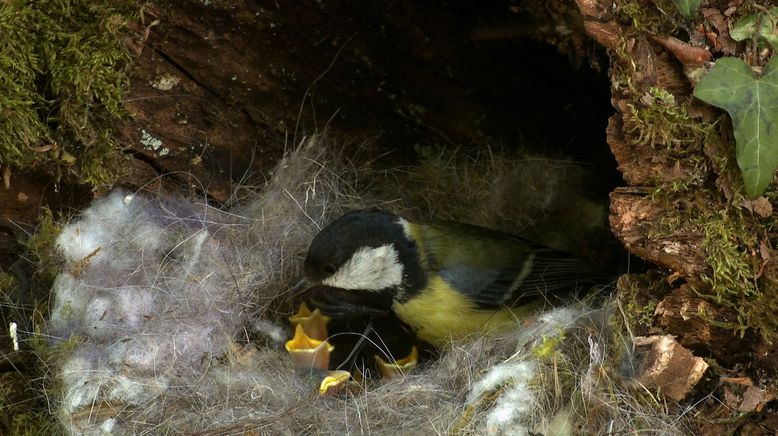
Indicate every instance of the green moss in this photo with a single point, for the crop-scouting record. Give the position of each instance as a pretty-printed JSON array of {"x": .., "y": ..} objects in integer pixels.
[
  {"x": 19, "y": 410},
  {"x": 639, "y": 295},
  {"x": 737, "y": 277},
  {"x": 26, "y": 394},
  {"x": 25, "y": 397},
  {"x": 62, "y": 79},
  {"x": 25, "y": 288},
  {"x": 32, "y": 424},
  {"x": 659, "y": 17},
  {"x": 727, "y": 253},
  {"x": 638, "y": 15},
  {"x": 550, "y": 346},
  {"x": 41, "y": 247},
  {"x": 646, "y": 314},
  {"x": 659, "y": 119},
  {"x": 740, "y": 278},
  {"x": 7, "y": 282},
  {"x": 24, "y": 408},
  {"x": 656, "y": 118}
]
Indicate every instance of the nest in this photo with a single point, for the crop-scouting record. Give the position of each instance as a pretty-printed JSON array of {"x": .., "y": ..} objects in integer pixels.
[{"x": 169, "y": 317}]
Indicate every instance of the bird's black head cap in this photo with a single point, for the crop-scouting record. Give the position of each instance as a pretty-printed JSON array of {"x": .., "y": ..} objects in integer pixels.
[{"x": 338, "y": 242}]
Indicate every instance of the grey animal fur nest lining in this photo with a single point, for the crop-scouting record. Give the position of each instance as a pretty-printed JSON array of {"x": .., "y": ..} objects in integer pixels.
[{"x": 158, "y": 292}]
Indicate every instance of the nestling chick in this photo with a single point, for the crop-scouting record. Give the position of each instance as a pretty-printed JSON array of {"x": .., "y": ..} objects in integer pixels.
[{"x": 445, "y": 280}]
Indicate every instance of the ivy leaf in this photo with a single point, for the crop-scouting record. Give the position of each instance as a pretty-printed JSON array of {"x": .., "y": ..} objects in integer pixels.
[
  {"x": 753, "y": 105},
  {"x": 688, "y": 8},
  {"x": 746, "y": 27}
]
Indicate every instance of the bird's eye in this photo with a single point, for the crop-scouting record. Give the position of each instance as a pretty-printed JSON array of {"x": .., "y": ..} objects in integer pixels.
[{"x": 329, "y": 269}]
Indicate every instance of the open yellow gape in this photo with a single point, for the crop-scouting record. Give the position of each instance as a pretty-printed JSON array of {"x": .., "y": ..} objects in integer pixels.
[{"x": 310, "y": 351}]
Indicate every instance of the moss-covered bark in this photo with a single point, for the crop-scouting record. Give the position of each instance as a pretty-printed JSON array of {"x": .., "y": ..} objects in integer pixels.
[
  {"x": 685, "y": 209},
  {"x": 62, "y": 80}
]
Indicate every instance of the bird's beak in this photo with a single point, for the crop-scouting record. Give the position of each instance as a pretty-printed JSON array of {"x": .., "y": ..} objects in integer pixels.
[{"x": 298, "y": 289}]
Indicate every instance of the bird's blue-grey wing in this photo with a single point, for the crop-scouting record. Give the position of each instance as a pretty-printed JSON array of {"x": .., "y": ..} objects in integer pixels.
[
  {"x": 496, "y": 269},
  {"x": 542, "y": 274}
]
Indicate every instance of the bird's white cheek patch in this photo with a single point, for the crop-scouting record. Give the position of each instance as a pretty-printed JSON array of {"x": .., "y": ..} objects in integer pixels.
[{"x": 370, "y": 268}]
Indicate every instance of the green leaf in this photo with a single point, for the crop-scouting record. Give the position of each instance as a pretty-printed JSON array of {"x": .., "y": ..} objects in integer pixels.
[
  {"x": 745, "y": 28},
  {"x": 688, "y": 8},
  {"x": 753, "y": 105}
]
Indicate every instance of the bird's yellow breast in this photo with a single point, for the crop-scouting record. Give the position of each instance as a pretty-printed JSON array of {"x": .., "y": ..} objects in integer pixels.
[{"x": 439, "y": 314}]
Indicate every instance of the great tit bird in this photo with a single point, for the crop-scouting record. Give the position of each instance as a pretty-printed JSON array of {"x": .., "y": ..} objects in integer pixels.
[{"x": 444, "y": 280}]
